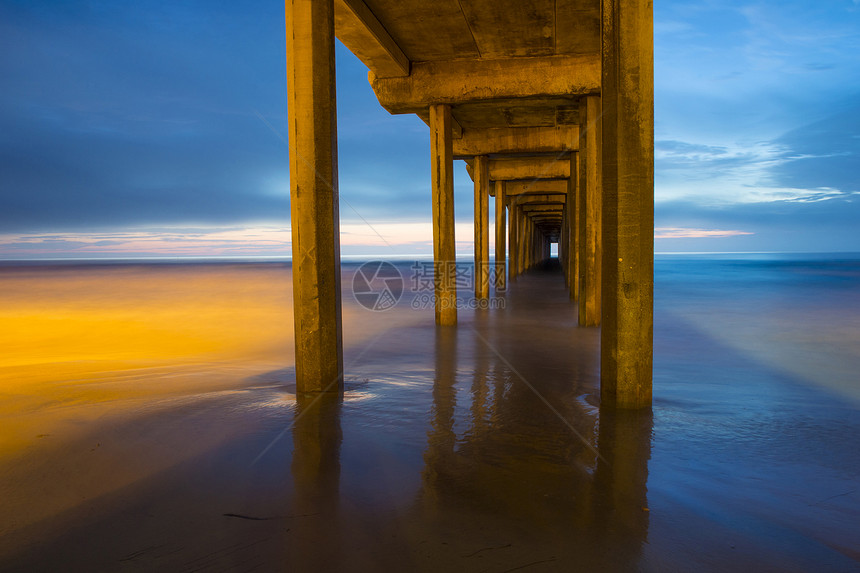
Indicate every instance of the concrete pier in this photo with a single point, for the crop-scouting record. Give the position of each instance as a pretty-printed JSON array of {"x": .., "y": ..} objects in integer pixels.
[
  {"x": 590, "y": 211},
  {"x": 628, "y": 204},
  {"x": 573, "y": 225},
  {"x": 513, "y": 240},
  {"x": 442, "y": 186},
  {"x": 482, "y": 227},
  {"x": 551, "y": 109},
  {"x": 501, "y": 222},
  {"x": 314, "y": 195}
]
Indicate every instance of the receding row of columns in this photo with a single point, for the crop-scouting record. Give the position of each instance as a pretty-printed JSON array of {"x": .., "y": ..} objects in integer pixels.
[{"x": 606, "y": 233}]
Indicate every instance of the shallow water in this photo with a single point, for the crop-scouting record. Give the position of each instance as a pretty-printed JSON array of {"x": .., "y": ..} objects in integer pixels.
[{"x": 149, "y": 422}]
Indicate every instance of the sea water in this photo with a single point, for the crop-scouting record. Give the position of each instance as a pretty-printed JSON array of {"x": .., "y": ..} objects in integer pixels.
[{"x": 149, "y": 420}]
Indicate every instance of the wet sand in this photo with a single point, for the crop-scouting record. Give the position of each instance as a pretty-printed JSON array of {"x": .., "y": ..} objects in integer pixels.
[{"x": 149, "y": 423}]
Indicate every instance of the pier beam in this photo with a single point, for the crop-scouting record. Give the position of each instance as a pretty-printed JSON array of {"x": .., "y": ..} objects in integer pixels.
[
  {"x": 482, "y": 227},
  {"x": 500, "y": 235},
  {"x": 628, "y": 203},
  {"x": 589, "y": 212},
  {"x": 442, "y": 183},
  {"x": 315, "y": 225}
]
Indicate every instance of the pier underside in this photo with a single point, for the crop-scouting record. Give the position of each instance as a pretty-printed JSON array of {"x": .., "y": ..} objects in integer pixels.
[{"x": 549, "y": 102}]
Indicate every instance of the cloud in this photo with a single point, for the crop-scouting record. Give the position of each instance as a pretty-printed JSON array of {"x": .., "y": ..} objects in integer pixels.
[
  {"x": 815, "y": 162},
  {"x": 773, "y": 225},
  {"x": 163, "y": 117},
  {"x": 822, "y": 154},
  {"x": 687, "y": 233}
]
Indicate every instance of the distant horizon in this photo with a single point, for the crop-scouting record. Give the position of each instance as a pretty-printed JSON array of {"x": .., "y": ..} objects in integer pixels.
[{"x": 370, "y": 256}]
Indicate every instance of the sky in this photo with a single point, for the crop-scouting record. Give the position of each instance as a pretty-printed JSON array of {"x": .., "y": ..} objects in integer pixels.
[{"x": 158, "y": 128}]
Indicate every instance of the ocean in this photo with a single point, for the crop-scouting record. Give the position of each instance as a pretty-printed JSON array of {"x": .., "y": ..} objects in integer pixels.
[{"x": 148, "y": 421}]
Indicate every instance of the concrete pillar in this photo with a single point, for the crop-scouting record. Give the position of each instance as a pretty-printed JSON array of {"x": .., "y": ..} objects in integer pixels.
[
  {"x": 627, "y": 68},
  {"x": 315, "y": 224},
  {"x": 590, "y": 204},
  {"x": 532, "y": 242},
  {"x": 513, "y": 240},
  {"x": 523, "y": 240},
  {"x": 500, "y": 235},
  {"x": 572, "y": 242},
  {"x": 482, "y": 226},
  {"x": 444, "y": 246},
  {"x": 528, "y": 255},
  {"x": 563, "y": 246}
]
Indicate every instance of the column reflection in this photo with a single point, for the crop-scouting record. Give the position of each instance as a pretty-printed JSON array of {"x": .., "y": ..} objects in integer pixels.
[
  {"x": 315, "y": 536},
  {"x": 524, "y": 475}
]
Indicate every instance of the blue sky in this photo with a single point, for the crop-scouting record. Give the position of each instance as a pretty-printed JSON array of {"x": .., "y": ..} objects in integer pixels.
[{"x": 152, "y": 128}]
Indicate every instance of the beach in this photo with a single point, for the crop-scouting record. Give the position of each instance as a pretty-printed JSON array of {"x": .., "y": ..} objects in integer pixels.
[{"x": 149, "y": 421}]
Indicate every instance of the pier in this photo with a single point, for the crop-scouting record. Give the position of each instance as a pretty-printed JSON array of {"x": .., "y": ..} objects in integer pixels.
[{"x": 550, "y": 104}]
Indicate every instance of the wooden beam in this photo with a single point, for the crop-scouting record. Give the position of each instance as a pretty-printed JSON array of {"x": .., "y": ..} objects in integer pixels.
[
  {"x": 462, "y": 81},
  {"x": 507, "y": 140},
  {"x": 358, "y": 28}
]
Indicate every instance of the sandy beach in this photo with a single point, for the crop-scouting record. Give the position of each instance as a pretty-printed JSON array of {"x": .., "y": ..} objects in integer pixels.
[{"x": 149, "y": 422}]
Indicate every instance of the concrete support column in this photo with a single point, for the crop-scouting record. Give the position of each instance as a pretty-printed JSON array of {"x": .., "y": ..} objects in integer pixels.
[
  {"x": 442, "y": 183},
  {"x": 591, "y": 212},
  {"x": 315, "y": 221},
  {"x": 513, "y": 240},
  {"x": 524, "y": 242},
  {"x": 627, "y": 64},
  {"x": 563, "y": 246},
  {"x": 532, "y": 243},
  {"x": 572, "y": 229},
  {"x": 500, "y": 235},
  {"x": 482, "y": 226},
  {"x": 522, "y": 263}
]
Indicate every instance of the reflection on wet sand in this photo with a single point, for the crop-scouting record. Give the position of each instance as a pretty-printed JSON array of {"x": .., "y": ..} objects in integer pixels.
[
  {"x": 314, "y": 539},
  {"x": 476, "y": 448},
  {"x": 517, "y": 481}
]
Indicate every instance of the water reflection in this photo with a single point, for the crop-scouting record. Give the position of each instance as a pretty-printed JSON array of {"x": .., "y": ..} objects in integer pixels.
[
  {"x": 315, "y": 537},
  {"x": 516, "y": 476},
  {"x": 620, "y": 493},
  {"x": 441, "y": 441}
]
